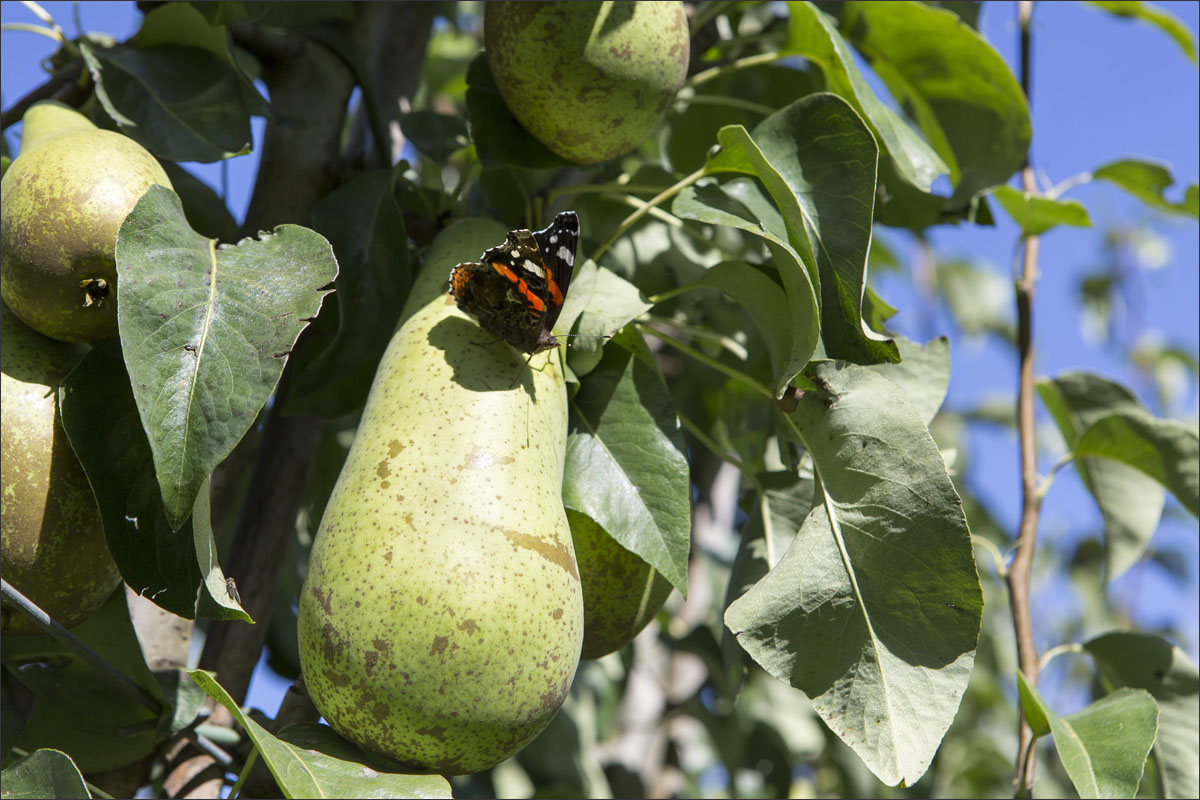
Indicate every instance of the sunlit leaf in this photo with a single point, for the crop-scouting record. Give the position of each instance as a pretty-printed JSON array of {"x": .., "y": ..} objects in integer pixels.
[
  {"x": 205, "y": 332},
  {"x": 874, "y": 610},
  {"x": 44, "y": 773},
  {"x": 626, "y": 464},
  {"x": 1036, "y": 215},
  {"x": 1130, "y": 502},
  {"x": 1148, "y": 182},
  {"x": 813, "y": 35},
  {"x": 1145, "y": 661},
  {"x": 1164, "y": 449},
  {"x": 1156, "y": 15},
  {"x": 1103, "y": 747},
  {"x": 817, "y": 160},
  {"x": 310, "y": 760}
]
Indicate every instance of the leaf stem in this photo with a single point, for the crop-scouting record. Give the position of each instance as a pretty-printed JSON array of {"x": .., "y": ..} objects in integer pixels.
[
  {"x": 1044, "y": 484},
  {"x": 1021, "y": 570},
  {"x": 703, "y": 359},
  {"x": 1058, "y": 650},
  {"x": 997, "y": 556},
  {"x": 29, "y": 27},
  {"x": 43, "y": 620},
  {"x": 733, "y": 66},
  {"x": 600, "y": 188},
  {"x": 657, "y": 200},
  {"x": 728, "y": 102}
]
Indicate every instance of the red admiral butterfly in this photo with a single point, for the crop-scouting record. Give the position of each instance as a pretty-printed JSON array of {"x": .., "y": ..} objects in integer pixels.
[{"x": 516, "y": 290}]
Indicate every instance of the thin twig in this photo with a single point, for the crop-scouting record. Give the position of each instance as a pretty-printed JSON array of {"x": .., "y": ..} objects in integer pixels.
[
  {"x": 97, "y": 661},
  {"x": 58, "y": 80},
  {"x": 661, "y": 197},
  {"x": 1021, "y": 569}
]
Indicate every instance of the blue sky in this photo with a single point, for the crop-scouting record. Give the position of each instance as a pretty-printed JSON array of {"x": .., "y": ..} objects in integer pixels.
[{"x": 1103, "y": 88}]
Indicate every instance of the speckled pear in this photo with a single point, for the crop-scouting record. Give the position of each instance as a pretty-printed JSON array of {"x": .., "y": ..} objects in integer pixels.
[
  {"x": 587, "y": 79},
  {"x": 63, "y": 200},
  {"x": 441, "y": 617},
  {"x": 53, "y": 541},
  {"x": 621, "y": 592}
]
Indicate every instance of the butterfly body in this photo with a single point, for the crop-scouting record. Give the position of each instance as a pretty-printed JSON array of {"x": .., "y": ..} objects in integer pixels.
[{"x": 516, "y": 290}]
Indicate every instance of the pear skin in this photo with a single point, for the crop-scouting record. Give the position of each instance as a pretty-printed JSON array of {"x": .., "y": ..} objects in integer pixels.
[{"x": 441, "y": 617}]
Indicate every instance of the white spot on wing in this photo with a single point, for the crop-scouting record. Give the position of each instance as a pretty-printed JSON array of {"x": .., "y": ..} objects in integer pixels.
[
  {"x": 536, "y": 269},
  {"x": 554, "y": 238},
  {"x": 566, "y": 255},
  {"x": 516, "y": 253}
]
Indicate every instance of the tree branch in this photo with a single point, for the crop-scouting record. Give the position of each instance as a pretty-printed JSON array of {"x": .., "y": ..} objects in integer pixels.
[
  {"x": 1021, "y": 570},
  {"x": 59, "y": 86}
]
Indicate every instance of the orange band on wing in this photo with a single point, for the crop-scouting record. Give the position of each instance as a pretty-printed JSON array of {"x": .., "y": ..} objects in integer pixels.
[{"x": 522, "y": 287}]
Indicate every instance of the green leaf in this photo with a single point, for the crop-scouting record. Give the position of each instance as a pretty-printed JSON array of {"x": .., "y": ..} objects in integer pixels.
[
  {"x": 791, "y": 330},
  {"x": 310, "y": 760},
  {"x": 337, "y": 357},
  {"x": 1148, "y": 182},
  {"x": 780, "y": 506},
  {"x": 499, "y": 139},
  {"x": 813, "y": 35},
  {"x": 436, "y": 136},
  {"x": 1164, "y": 449},
  {"x": 626, "y": 465},
  {"x": 1154, "y": 15},
  {"x": 599, "y": 302},
  {"x": 1130, "y": 502},
  {"x": 44, "y": 773},
  {"x": 1037, "y": 713},
  {"x": 1145, "y": 661},
  {"x": 206, "y": 211},
  {"x": 923, "y": 373},
  {"x": 206, "y": 331},
  {"x": 1103, "y": 747},
  {"x": 957, "y": 88},
  {"x": 979, "y": 299},
  {"x": 180, "y": 103},
  {"x": 182, "y": 25},
  {"x": 116, "y": 730},
  {"x": 1036, "y": 214},
  {"x": 156, "y": 559},
  {"x": 817, "y": 160},
  {"x": 285, "y": 15},
  {"x": 874, "y": 610}
]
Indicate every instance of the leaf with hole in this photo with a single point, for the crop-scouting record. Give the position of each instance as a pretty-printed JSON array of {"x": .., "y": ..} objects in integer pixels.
[{"x": 205, "y": 332}]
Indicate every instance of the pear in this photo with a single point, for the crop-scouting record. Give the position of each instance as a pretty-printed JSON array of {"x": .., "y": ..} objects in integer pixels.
[
  {"x": 64, "y": 198},
  {"x": 589, "y": 80},
  {"x": 50, "y": 118},
  {"x": 441, "y": 616},
  {"x": 621, "y": 592},
  {"x": 53, "y": 548}
]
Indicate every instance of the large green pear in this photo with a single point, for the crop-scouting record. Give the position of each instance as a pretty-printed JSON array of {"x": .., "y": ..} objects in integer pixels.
[
  {"x": 53, "y": 541},
  {"x": 64, "y": 199},
  {"x": 441, "y": 616},
  {"x": 587, "y": 79}
]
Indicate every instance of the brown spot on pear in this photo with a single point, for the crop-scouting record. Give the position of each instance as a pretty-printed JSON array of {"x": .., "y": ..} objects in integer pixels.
[
  {"x": 63, "y": 200},
  {"x": 587, "y": 79},
  {"x": 475, "y": 663},
  {"x": 621, "y": 592},
  {"x": 53, "y": 541}
]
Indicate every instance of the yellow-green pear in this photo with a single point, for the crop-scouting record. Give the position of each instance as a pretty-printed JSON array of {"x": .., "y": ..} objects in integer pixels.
[
  {"x": 621, "y": 592},
  {"x": 53, "y": 541},
  {"x": 64, "y": 199},
  {"x": 441, "y": 616},
  {"x": 50, "y": 118},
  {"x": 588, "y": 79}
]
